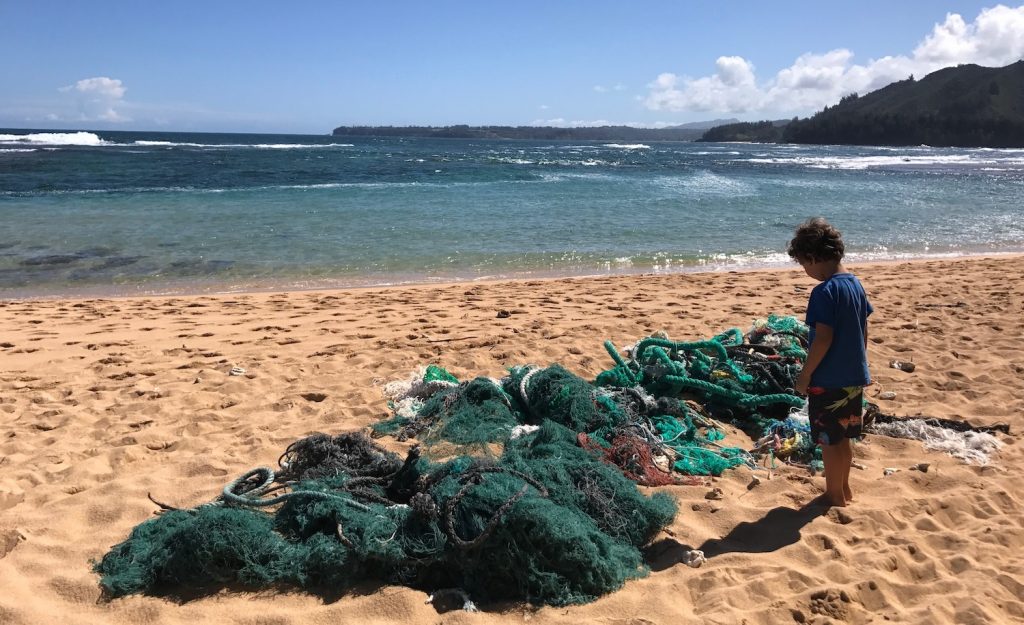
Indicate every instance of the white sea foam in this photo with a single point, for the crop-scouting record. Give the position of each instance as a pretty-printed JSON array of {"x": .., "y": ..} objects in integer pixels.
[
  {"x": 757, "y": 259},
  {"x": 261, "y": 146},
  {"x": 903, "y": 160},
  {"x": 512, "y": 161},
  {"x": 163, "y": 143},
  {"x": 17, "y": 149},
  {"x": 705, "y": 183},
  {"x": 573, "y": 175},
  {"x": 301, "y": 187},
  {"x": 298, "y": 146},
  {"x": 121, "y": 190},
  {"x": 53, "y": 138},
  {"x": 590, "y": 162},
  {"x": 91, "y": 139},
  {"x": 628, "y": 146}
]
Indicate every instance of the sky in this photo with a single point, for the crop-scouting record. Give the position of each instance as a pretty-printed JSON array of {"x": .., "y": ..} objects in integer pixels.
[{"x": 308, "y": 66}]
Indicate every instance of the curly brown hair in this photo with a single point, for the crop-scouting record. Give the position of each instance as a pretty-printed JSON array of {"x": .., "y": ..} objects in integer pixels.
[{"x": 816, "y": 240}]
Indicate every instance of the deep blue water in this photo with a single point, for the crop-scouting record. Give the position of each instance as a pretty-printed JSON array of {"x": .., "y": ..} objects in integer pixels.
[{"x": 119, "y": 212}]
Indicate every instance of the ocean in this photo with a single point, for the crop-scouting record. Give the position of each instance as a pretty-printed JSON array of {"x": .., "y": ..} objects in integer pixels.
[{"x": 121, "y": 213}]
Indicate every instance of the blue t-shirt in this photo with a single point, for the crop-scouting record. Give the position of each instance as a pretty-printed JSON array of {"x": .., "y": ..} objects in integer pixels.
[{"x": 841, "y": 303}]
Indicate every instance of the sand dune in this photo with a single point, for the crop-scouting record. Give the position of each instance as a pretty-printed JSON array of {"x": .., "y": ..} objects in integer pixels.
[{"x": 104, "y": 401}]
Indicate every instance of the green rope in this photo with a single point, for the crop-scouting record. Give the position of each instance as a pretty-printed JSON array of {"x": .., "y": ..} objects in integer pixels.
[
  {"x": 624, "y": 369},
  {"x": 731, "y": 337},
  {"x": 741, "y": 399},
  {"x": 697, "y": 348}
]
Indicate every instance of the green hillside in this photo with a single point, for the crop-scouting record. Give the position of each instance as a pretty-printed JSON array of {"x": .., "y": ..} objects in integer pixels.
[
  {"x": 752, "y": 132},
  {"x": 966, "y": 106}
]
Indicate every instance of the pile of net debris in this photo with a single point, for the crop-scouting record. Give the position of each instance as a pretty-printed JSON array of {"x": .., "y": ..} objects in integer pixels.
[
  {"x": 521, "y": 489},
  {"x": 655, "y": 415}
]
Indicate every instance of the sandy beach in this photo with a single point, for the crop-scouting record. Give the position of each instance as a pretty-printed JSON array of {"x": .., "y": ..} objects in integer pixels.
[{"x": 105, "y": 400}]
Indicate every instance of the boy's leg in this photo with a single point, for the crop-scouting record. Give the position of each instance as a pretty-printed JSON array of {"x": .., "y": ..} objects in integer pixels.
[
  {"x": 847, "y": 463},
  {"x": 832, "y": 456},
  {"x": 829, "y": 411}
]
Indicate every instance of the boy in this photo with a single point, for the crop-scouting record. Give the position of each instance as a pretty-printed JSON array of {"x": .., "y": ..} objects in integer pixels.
[{"x": 836, "y": 369}]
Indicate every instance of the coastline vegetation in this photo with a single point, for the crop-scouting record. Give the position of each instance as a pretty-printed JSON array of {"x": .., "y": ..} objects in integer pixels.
[{"x": 964, "y": 106}]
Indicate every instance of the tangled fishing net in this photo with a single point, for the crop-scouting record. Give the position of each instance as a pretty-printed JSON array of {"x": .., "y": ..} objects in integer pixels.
[
  {"x": 654, "y": 414},
  {"x": 523, "y": 488},
  {"x": 545, "y": 522}
]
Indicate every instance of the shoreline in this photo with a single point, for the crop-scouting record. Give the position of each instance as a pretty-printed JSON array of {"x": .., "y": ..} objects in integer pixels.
[{"x": 217, "y": 288}]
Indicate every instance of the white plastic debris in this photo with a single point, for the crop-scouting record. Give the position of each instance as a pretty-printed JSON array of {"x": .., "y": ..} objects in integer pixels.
[
  {"x": 523, "y": 430},
  {"x": 694, "y": 558},
  {"x": 236, "y": 371},
  {"x": 970, "y": 447},
  {"x": 902, "y": 365}
]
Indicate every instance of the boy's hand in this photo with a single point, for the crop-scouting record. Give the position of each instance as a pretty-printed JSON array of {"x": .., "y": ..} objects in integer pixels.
[{"x": 802, "y": 382}]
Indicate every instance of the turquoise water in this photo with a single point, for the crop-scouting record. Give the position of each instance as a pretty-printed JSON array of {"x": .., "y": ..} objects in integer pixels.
[{"x": 116, "y": 212}]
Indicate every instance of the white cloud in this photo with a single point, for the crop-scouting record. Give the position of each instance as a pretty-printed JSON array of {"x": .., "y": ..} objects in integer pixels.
[
  {"x": 994, "y": 38},
  {"x": 731, "y": 89},
  {"x": 600, "y": 88},
  {"x": 100, "y": 87},
  {"x": 98, "y": 99},
  {"x": 558, "y": 121},
  {"x": 576, "y": 123}
]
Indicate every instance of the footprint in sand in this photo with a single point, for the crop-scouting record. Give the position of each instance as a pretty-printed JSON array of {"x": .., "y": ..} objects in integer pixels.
[{"x": 840, "y": 516}]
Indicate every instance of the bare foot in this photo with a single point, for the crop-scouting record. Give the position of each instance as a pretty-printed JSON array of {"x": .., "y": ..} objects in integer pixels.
[
  {"x": 824, "y": 501},
  {"x": 847, "y": 493}
]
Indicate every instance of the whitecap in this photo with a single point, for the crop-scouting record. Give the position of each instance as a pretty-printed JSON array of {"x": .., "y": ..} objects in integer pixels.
[
  {"x": 297, "y": 146},
  {"x": 628, "y": 146},
  {"x": 513, "y": 161},
  {"x": 866, "y": 162},
  {"x": 54, "y": 138},
  {"x": 259, "y": 146},
  {"x": 705, "y": 183}
]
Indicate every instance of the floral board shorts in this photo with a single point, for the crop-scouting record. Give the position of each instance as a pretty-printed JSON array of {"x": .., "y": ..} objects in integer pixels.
[{"x": 835, "y": 413}]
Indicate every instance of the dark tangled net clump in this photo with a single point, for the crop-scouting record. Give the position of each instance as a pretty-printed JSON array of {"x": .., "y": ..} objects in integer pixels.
[{"x": 816, "y": 240}]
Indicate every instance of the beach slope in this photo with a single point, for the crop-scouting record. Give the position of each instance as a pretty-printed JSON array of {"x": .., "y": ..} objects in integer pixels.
[{"x": 105, "y": 401}]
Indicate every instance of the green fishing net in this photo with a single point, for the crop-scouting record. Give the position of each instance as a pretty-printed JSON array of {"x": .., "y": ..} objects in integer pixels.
[
  {"x": 546, "y": 522},
  {"x": 523, "y": 488}
]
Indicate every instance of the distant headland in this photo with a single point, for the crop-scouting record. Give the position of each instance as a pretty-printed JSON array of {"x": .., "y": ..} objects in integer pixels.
[{"x": 683, "y": 132}]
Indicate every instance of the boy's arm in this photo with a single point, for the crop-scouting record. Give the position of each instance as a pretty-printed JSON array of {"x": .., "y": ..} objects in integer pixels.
[{"x": 815, "y": 353}]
